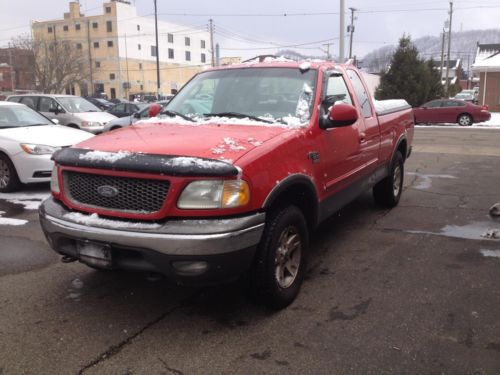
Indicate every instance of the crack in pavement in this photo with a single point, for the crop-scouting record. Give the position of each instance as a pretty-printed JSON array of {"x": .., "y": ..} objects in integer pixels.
[{"x": 115, "y": 349}]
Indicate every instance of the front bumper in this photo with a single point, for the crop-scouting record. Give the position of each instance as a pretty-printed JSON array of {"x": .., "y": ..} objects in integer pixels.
[{"x": 226, "y": 246}]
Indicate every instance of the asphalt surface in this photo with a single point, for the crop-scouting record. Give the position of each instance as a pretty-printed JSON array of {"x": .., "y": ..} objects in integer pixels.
[{"x": 411, "y": 290}]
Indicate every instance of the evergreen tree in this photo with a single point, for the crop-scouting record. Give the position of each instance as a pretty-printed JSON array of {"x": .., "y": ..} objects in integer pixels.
[{"x": 409, "y": 77}]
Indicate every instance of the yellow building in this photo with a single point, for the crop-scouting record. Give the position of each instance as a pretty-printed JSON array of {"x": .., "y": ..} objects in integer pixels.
[{"x": 119, "y": 49}]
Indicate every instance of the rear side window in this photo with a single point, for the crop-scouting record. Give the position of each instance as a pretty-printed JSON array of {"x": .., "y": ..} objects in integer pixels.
[
  {"x": 434, "y": 104},
  {"x": 15, "y": 99},
  {"x": 361, "y": 94},
  {"x": 30, "y": 101},
  {"x": 452, "y": 103},
  {"x": 47, "y": 104}
]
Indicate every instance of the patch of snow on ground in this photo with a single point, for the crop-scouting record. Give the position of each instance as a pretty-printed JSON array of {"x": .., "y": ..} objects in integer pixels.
[
  {"x": 30, "y": 201},
  {"x": 95, "y": 220},
  {"x": 9, "y": 221},
  {"x": 104, "y": 156},
  {"x": 491, "y": 253}
]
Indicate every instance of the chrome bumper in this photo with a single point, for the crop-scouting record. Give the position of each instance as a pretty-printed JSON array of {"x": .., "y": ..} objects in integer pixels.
[{"x": 174, "y": 237}]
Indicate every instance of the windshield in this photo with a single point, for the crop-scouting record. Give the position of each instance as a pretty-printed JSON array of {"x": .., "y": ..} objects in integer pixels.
[
  {"x": 77, "y": 105},
  {"x": 272, "y": 94},
  {"x": 463, "y": 96},
  {"x": 13, "y": 116}
]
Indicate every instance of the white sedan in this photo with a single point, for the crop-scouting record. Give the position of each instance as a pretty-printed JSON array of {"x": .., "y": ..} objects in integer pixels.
[{"x": 27, "y": 141}]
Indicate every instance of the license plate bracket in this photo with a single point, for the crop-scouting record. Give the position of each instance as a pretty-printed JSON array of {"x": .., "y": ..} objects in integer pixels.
[{"x": 94, "y": 254}]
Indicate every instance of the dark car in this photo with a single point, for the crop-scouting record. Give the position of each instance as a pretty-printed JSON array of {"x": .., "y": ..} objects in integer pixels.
[
  {"x": 123, "y": 109},
  {"x": 450, "y": 111},
  {"x": 102, "y": 104}
]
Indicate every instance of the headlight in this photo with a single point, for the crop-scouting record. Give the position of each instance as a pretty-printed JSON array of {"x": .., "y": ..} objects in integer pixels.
[
  {"x": 37, "y": 149},
  {"x": 91, "y": 124},
  {"x": 54, "y": 181},
  {"x": 211, "y": 194}
]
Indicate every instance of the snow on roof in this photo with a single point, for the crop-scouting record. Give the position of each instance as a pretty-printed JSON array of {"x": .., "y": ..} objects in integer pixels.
[{"x": 491, "y": 63}]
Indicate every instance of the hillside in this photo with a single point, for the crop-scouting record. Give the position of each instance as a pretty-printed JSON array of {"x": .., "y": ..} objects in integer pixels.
[{"x": 463, "y": 45}]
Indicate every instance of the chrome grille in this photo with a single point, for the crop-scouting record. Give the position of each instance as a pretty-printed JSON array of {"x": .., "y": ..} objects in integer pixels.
[{"x": 134, "y": 195}]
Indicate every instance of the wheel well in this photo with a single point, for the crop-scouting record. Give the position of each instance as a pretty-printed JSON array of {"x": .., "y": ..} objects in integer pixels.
[
  {"x": 465, "y": 113},
  {"x": 115, "y": 127},
  {"x": 301, "y": 196},
  {"x": 74, "y": 126},
  {"x": 403, "y": 148}
]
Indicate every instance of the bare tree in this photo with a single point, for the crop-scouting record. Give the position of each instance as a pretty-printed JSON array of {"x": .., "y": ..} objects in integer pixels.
[{"x": 54, "y": 64}]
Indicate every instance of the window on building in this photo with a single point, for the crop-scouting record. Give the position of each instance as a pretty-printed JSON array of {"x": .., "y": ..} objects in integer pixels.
[
  {"x": 203, "y": 58},
  {"x": 188, "y": 56},
  {"x": 170, "y": 38},
  {"x": 187, "y": 41},
  {"x": 153, "y": 51},
  {"x": 77, "y": 27},
  {"x": 170, "y": 53},
  {"x": 203, "y": 44},
  {"x": 109, "y": 26},
  {"x": 97, "y": 64},
  {"x": 138, "y": 27},
  {"x": 112, "y": 76},
  {"x": 110, "y": 43},
  {"x": 65, "y": 27},
  {"x": 95, "y": 25},
  {"x": 142, "y": 87},
  {"x": 78, "y": 45},
  {"x": 96, "y": 44},
  {"x": 49, "y": 29},
  {"x": 139, "y": 47},
  {"x": 140, "y": 66},
  {"x": 108, "y": 9}
]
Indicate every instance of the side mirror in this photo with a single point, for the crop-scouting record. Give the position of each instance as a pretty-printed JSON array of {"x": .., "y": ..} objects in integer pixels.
[{"x": 339, "y": 115}]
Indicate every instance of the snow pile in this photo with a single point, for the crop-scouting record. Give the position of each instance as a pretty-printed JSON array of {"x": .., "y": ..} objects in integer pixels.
[
  {"x": 110, "y": 157},
  {"x": 305, "y": 66},
  {"x": 9, "y": 221},
  {"x": 186, "y": 161},
  {"x": 270, "y": 59},
  {"x": 95, "y": 220}
]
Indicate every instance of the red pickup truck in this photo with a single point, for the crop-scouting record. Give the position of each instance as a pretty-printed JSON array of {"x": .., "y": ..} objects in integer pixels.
[{"x": 232, "y": 179}]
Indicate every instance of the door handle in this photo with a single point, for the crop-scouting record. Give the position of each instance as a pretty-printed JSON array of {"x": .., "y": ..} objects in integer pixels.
[{"x": 362, "y": 137}]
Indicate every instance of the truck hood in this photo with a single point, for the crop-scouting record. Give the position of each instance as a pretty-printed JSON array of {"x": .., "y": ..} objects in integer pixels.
[
  {"x": 225, "y": 142},
  {"x": 50, "y": 135}
]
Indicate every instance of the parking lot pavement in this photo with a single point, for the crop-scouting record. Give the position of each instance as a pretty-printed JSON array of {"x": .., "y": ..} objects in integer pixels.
[{"x": 410, "y": 290}]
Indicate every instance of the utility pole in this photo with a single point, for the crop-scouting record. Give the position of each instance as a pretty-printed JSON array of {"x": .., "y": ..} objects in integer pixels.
[
  {"x": 350, "y": 29},
  {"x": 327, "y": 45},
  {"x": 157, "y": 54},
  {"x": 442, "y": 57},
  {"x": 211, "y": 27},
  {"x": 127, "y": 88},
  {"x": 449, "y": 49},
  {"x": 90, "y": 61},
  {"x": 11, "y": 70},
  {"x": 341, "y": 35}
]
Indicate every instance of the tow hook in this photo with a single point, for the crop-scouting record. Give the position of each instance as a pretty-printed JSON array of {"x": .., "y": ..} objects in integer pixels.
[{"x": 68, "y": 259}]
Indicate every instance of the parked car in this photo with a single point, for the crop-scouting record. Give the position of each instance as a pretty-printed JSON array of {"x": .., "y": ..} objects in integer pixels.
[
  {"x": 69, "y": 110},
  {"x": 450, "y": 111},
  {"x": 466, "y": 95},
  {"x": 124, "y": 109},
  {"x": 234, "y": 191},
  {"x": 141, "y": 114},
  {"x": 100, "y": 103},
  {"x": 27, "y": 141}
]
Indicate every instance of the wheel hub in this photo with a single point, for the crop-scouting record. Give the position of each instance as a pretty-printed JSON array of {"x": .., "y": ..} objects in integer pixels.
[
  {"x": 288, "y": 257},
  {"x": 4, "y": 174},
  {"x": 396, "y": 182}
]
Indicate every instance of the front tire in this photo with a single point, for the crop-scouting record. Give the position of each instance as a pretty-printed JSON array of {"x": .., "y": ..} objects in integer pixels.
[
  {"x": 388, "y": 191},
  {"x": 280, "y": 262},
  {"x": 464, "y": 120},
  {"x": 9, "y": 181}
]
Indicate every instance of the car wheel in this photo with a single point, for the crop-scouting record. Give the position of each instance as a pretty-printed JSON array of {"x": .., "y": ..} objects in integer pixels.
[
  {"x": 280, "y": 262},
  {"x": 464, "y": 120},
  {"x": 388, "y": 191},
  {"x": 9, "y": 181}
]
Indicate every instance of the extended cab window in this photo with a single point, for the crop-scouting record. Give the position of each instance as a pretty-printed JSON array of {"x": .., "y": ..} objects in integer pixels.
[{"x": 361, "y": 94}]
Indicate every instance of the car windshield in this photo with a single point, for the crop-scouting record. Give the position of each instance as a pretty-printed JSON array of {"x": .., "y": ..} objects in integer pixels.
[
  {"x": 272, "y": 94},
  {"x": 13, "y": 116},
  {"x": 463, "y": 96},
  {"x": 77, "y": 105}
]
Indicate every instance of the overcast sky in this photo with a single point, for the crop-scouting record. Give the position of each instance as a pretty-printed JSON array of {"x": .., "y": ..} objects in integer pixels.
[{"x": 241, "y": 33}]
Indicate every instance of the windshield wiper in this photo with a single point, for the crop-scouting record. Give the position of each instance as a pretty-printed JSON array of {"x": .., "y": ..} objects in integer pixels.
[
  {"x": 237, "y": 115},
  {"x": 170, "y": 113},
  {"x": 38, "y": 124}
]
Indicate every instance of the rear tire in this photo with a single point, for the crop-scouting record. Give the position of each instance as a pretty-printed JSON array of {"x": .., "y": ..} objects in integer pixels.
[
  {"x": 9, "y": 181},
  {"x": 464, "y": 120},
  {"x": 388, "y": 191},
  {"x": 280, "y": 262}
]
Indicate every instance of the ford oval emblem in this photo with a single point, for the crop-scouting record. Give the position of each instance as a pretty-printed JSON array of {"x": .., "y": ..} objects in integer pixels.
[{"x": 107, "y": 191}]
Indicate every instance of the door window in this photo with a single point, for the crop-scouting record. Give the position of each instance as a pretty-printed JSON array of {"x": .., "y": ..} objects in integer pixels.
[
  {"x": 119, "y": 108},
  {"x": 30, "y": 101},
  {"x": 47, "y": 104},
  {"x": 433, "y": 104},
  {"x": 361, "y": 94},
  {"x": 336, "y": 91}
]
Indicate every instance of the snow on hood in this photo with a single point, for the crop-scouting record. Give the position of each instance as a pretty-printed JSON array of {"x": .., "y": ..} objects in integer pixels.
[
  {"x": 216, "y": 141},
  {"x": 50, "y": 135}
]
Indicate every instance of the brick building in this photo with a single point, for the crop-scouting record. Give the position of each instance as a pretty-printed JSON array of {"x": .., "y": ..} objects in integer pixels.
[
  {"x": 487, "y": 66},
  {"x": 21, "y": 69}
]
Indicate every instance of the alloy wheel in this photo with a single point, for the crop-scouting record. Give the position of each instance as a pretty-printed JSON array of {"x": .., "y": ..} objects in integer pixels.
[{"x": 288, "y": 257}]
